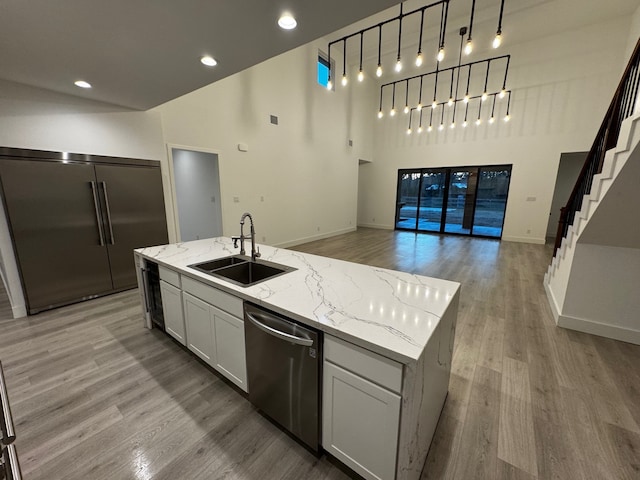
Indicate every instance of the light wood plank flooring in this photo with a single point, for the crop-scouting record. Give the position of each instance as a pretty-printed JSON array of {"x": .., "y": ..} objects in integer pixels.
[{"x": 94, "y": 395}]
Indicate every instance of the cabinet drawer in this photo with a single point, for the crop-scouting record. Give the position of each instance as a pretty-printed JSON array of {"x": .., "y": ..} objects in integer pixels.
[
  {"x": 374, "y": 367},
  {"x": 213, "y": 296},
  {"x": 169, "y": 276}
]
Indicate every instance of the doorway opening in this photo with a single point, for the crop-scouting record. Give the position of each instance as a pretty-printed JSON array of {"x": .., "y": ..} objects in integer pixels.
[
  {"x": 197, "y": 189},
  {"x": 458, "y": 200}
]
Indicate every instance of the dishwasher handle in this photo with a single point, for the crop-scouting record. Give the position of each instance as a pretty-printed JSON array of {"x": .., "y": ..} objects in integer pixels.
[
  {"x": 6, "y": 422},
  {"x": 306, "y": 342}
]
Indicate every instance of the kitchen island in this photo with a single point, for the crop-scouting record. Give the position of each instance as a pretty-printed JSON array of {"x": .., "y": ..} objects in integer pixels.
[{"x": 388, "y": 344}]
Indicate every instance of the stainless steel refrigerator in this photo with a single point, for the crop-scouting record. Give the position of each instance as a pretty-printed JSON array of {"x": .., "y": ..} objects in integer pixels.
[{"x": 74, "y": 225}]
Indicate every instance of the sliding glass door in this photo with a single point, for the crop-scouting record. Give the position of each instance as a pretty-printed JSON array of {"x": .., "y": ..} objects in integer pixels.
[{"x": 460, "y": 200}]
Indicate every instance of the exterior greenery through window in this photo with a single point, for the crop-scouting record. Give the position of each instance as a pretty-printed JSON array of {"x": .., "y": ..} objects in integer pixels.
[{"x": 459, "y": 200}]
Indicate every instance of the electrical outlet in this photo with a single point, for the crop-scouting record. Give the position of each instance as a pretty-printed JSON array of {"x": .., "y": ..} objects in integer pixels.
[
  {"x": 264, "y": 239},
  {"x": 236, "y": 199}
]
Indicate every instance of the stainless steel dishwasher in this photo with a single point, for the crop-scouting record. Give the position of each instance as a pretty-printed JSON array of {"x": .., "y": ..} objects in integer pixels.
[{"x": 284, "y": 362}]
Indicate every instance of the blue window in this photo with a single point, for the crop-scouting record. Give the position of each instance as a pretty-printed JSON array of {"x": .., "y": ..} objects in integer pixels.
[{"x": 323, "y": 70}]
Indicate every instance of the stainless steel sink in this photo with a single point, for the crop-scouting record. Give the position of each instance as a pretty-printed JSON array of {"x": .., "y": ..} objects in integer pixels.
[
  {"x": 212, "y": 265},
  {"x": 241, "y": 270}
]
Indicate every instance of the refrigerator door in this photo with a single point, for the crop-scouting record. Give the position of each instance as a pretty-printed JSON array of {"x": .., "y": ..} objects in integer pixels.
[
  {"x": 133, "y": 209},
  {"x": 54, "y": 216}
]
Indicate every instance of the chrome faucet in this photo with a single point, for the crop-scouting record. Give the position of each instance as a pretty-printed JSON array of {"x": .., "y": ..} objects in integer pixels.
[{"x": 255, "y": 253}]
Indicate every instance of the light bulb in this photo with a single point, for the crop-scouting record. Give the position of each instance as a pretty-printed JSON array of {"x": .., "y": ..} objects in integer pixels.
[
  {"x": 503, "y": 92},
  {"x": 441, "y": 127},
  {"x": 491, "y": 120},
  {"x": 419, "y": 60},
  {"x": 468, "y": 48},
  {"x": 329, "y": 85},
  {"x": 360, "y": 76},
  {"x": 398, "y": 65},
  {"x": 434, "y": 104},
  {"x": 392, "y": 112},
  {"x": 497, "y": 40},
  {"x": 478, "y": 122},
  {"x": 344, "y": 81},
  {"x": 419, "y": 107},
  {"x": 379, "y": 71},
  {"x": 408, "y": 131},
  {"x": 450, "y": 102},
  {"x": 453, "y": 125},
  {"x": 507, "y": 117},
  {"x": 440, "y": 55},
  {"x": 406, "y": 109},
  {"x": 464, "y": 124},
  {"x": 466, "y": 98},
  {"x": 380, "y": 114},
  {"x": 419, "y": 129},
  {"x": 430, "y": 128},
  {"x": 484, "y": 96}
]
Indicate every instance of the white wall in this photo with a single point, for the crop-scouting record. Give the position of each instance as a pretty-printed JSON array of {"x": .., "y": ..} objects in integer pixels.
[
  {"x": 299, "y": 178},
  {"x": 561, "y": 84}
]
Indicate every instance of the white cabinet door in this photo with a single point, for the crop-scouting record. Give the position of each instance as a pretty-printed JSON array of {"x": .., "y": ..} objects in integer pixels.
[
  {"x": 199, "y": 323},
  {"x": 360, "y": 423},
  {"x": 229, "y": 347},
  {"x": 172, "y": 311}
]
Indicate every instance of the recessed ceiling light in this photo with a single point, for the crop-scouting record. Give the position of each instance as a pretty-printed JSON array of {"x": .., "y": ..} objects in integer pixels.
[
  {"x": 82, "y": 84},
  {"x": 208, "y": 61},
  {"x": 287, "y": 21}
]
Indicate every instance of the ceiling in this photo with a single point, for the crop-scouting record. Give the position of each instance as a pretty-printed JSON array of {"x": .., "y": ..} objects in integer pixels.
[
  {"x": 142, "y": 53},
  {"x": 139, "y": 54}
]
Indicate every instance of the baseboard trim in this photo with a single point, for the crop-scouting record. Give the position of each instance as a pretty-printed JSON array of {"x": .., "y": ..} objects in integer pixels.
[
  {"x": 376, "y": 225},
  {"x": 555, "y": 309},
  {"x": 615, "y": 332},
  {"x": 320, "y": 236},
  {"x": 535, "y": 240},
  {"x": 19, "y": 311}
]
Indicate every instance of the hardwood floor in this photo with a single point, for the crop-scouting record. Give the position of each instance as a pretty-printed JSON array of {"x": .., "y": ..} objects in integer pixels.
[{"x": 95, "y": 395}]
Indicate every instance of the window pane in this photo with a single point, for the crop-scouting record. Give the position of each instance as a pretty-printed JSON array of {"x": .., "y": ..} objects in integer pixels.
[
  {"x": 407, "y": 207},
  {"x": 457, "y": 204},
  {"x": 430, "y": 213},
  {"x": 323, "y": 72},
  {"x": 491, "y": 202}
]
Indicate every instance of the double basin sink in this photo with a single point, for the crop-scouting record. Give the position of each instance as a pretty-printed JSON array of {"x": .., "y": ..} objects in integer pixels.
[{"x": 241, "y": 270}]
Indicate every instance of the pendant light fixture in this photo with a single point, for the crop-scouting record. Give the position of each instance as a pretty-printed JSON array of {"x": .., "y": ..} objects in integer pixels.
[
  {"x": 466, "y": 93},
  {"x": 441, "y": 126},
  {"x": 380, "y": 113},
  {"x": 435, "y": 90},
  {"x": 409, "y": 129},
  {"x": 486, "y": 81},
  {"x": 420, "y": 124},
  {"x": 478, "y": 121},
  {"x": 419, "y": 58},
  {"x": 406, "y": 98},
  {"x": 493, "y": 109},
  {"x": 379, "y": 69},
  {"x": 419, "y": 106},
  {"x": 344, "y": 63},
  {"x": 443, "y": 28},
  {"x": 360, "y": 72},
  {"x": 399, "y": 61},
  {"x": 430, "y": 128},
  {"x": 469, "y": 46},
  {"x": 507, "y": 117},
  {"x": 466, "y": 112},
  {"x": 393, "y": 101},
  {"x": 497, "y": 41}
]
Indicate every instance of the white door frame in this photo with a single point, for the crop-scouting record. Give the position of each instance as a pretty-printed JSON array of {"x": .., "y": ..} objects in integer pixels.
[{"x": 172, "y": 182}]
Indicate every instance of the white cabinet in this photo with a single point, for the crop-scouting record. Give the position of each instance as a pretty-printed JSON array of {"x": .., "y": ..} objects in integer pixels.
[
  {"x": 215, "y": 329},
  {"x": 199, "y": 323},
  {"x": 229, "y": 347},
  {"x": 361, "y": 416},
  {"x": 172, "y": 311}
]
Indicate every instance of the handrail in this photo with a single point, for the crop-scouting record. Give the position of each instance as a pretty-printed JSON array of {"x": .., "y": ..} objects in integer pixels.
[{"x": 621, "y": 107}]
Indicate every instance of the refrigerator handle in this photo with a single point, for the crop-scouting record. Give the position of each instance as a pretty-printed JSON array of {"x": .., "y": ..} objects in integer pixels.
[
  {"x": 98, "y": 219},
  {"x": 6, "y": 422},
  {"x": 106, "y": 202},
  {"x": 145, "y": 289},
  {"x": 10, "y": 463}
]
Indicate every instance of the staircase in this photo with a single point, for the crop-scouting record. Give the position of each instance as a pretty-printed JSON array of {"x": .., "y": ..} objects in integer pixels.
[{"x": 594, "y": 278}]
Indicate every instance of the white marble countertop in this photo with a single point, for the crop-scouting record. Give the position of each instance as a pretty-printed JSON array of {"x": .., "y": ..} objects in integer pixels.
[{"x": 389, "y": 312}]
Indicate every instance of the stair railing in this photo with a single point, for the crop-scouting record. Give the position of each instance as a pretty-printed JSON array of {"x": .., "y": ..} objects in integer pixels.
[{"x": 622, "y": 106}]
